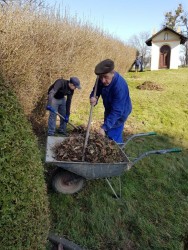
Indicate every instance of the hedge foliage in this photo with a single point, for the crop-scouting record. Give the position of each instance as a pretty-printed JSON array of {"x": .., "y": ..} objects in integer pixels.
[
  {"x": 39, "y": 46},
  {"x": 24, "y": 215}
]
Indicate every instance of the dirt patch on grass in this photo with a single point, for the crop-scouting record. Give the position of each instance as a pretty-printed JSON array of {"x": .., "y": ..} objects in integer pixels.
[{"x": 148, "y": 85}]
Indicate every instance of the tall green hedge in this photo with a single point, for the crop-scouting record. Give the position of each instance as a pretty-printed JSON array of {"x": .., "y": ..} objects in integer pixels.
[{"x": 24, "y": 220}]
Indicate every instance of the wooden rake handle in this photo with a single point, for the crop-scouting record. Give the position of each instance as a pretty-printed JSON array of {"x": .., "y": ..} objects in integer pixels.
[{"x": 89, "y": 122}]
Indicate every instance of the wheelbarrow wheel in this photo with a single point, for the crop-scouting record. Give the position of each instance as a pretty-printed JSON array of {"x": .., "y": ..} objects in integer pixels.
[{"x": 67, "y": 182}]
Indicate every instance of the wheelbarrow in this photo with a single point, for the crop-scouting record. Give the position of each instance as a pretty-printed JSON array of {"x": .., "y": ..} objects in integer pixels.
[{"x": 70, "y": 176}]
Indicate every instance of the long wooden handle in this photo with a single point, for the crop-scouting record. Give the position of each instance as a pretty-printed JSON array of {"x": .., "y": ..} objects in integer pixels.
[
  {"x": 89, "y": 122},
  {"x": 50, "y": 108},
  {"x": 67, "y": 122}
]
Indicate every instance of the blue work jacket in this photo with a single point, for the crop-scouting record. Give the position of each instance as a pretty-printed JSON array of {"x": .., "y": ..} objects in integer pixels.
[{"x": 116, "y": 101}]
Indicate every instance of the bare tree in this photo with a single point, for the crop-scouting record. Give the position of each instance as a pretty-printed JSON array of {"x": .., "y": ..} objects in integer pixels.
[
  {"x": 138, "y": 42},
  {"x": 178, "y": 19}
]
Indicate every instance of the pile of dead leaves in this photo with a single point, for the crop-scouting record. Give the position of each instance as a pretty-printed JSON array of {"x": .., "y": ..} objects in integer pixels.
[
  {"x": 148, "y": 85},
  {"x": 99, "y": 149},
  {"x": 79, "y": 130}
]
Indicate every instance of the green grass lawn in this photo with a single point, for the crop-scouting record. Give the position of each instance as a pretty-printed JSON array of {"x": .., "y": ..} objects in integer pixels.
[
  {"x": 153, "y": 211},
  {"x": 164, "y": 111}
]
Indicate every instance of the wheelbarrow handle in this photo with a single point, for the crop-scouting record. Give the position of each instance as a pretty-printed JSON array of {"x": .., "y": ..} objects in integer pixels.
[
  {"x": 162, "y": 151},
  {"x": 150, "y": 133},
  {"x": 172, "y": 150},
  {"x": 136, "y": 135},
  {"x": 50, "y": 108}
]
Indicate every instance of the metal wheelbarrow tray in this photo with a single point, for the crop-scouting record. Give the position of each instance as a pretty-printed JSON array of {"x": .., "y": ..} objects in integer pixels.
[
  {"x": 87, "y": 170},
  {"x": 70, "y": 176}
]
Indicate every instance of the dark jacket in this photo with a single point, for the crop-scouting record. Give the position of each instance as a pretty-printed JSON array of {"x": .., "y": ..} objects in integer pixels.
[
  {"x": 137, "y": 62},
  {"x": 59, "y": 90},
  {"x": 116, "y": 101}
]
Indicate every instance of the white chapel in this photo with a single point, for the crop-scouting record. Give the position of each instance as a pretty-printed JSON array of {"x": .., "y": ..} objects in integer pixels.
[{"x": 165, "y": 48}]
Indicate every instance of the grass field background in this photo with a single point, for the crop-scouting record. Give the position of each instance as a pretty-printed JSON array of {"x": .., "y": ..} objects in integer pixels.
[
  {"x": 153, "y": 211},
  {"x": 37, "y": 47}
]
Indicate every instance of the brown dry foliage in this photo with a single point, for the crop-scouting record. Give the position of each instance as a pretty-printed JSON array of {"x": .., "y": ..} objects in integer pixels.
[
  {"x": 37, "y": 47},
  {"x": 148, "y": 85},
  {"x": 99, "y": 149}
]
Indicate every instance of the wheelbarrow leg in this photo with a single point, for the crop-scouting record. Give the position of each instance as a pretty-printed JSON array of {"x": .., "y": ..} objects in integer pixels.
[
  {"x": 114, "y": 192},
  {"x": 119, "y": 186}
]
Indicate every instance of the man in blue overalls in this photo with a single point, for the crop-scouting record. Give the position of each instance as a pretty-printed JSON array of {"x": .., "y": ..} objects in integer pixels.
[{"x": 116, "y": 100}]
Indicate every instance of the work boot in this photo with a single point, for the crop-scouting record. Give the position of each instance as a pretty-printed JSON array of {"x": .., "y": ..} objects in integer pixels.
[
  {"x": 61, "y": 132},
  {"x": 50, "y": 134}
]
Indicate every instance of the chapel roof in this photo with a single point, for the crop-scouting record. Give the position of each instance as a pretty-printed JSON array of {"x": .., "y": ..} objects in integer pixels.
[{"x": 183, "y": 38}]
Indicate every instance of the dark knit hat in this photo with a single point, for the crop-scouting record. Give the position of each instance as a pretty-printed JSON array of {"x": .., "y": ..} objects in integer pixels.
[
  {"x": 76, "y": 82},
  {"x": 104, "y": 67}
]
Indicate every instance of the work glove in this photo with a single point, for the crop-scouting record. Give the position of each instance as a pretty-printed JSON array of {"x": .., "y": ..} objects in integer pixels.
[
  {"x": 48, "y": 107},
  {"x": 67, "y": 118}
]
